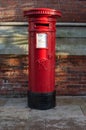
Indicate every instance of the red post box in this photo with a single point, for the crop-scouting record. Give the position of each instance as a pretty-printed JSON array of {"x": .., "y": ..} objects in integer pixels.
[{"x": 41, "y": 90}]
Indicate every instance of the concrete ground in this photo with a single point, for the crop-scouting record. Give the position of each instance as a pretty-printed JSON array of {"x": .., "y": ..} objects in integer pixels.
[{"x": 69, "y": 114}]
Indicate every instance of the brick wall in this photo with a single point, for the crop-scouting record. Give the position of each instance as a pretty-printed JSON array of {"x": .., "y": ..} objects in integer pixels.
[
  {"x": 70, "y": 75},
  {"x": 70, "y": 59},
  {"x": 73, "y": 10},
  {"x": 13, "y": 75}
]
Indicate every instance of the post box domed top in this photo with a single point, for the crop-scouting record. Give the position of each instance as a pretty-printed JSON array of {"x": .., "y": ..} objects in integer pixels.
[{"x": 42, "y": 11}]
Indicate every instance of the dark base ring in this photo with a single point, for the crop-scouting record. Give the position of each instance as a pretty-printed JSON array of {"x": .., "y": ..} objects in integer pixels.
[{"x": 41, "y": 101}]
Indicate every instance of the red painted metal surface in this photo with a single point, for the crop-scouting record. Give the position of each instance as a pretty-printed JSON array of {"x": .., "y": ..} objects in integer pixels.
[{"x": 42, "y": 49}]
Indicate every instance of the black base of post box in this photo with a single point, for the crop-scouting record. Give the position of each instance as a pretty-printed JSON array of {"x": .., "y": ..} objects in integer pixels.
[{"x": 41, "y": 101}]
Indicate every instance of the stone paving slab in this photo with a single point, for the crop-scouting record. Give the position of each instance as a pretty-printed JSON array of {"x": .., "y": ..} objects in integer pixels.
[
  {"x": 16, "y": 102},
  {"x": 2, "y": 101},
  {"x": 59, "y": 112},
  {"x": 68, "y": 100},
  {"x": 83, "y": 108},
  {"x": 37, "y": 124},
  {"x": 66, "y": 124},
  {"x": 69, "y": 114}
]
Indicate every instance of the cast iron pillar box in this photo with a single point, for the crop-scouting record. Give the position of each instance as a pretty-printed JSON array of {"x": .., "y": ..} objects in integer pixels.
[{"x": 41, "y": 90}]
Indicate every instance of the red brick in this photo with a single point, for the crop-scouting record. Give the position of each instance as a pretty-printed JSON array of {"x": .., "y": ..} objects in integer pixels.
[
  {"x": 73, "y": 11},
  {"x": 75, "y": 74}
]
